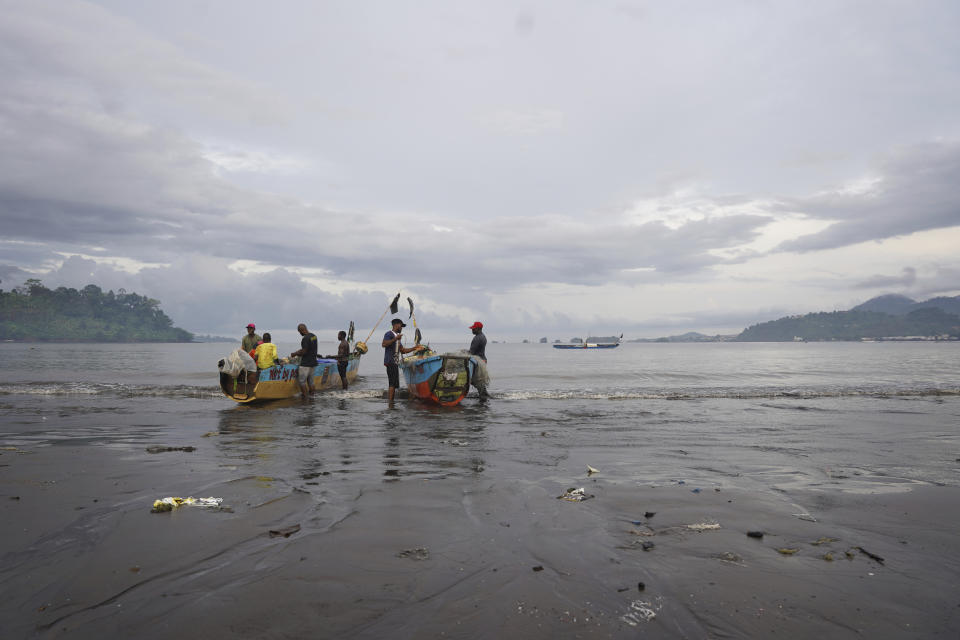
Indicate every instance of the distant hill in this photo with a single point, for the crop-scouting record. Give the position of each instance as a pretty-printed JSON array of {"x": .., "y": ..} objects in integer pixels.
[
  {"x": 33, "y": 312},
  {"x": 210, "y": 338},
  {"x": 690, "y": 336},
  {"x": 897, "y": 305},
  {"x": 893, "y": 304},
  {"x": 856, "y": 324}
]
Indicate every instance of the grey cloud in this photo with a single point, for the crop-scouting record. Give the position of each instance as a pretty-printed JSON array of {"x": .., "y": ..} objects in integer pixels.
[
  {"x": 108, "y": 114},
  {"x": 906, "y": 279},
  {"x": 916, "y": 191}
]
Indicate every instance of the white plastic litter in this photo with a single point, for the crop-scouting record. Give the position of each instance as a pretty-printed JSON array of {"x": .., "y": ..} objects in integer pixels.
[
  {"x": 173, "y": 502},
  {"x": 238, "y": 361}
]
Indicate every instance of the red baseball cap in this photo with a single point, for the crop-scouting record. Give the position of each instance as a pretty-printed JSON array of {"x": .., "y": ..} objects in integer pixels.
[
  {"x": 476, "y": 325},
  {"x": 251, "y": 326}
]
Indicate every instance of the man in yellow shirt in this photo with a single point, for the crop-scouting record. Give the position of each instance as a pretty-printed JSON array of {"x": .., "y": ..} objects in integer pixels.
[{"x": 265, "y": 353}]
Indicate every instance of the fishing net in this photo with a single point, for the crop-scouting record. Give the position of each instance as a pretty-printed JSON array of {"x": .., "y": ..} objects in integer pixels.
[
  {"x": 236, "y": 362},
  {"x": 481, "y": 378}
]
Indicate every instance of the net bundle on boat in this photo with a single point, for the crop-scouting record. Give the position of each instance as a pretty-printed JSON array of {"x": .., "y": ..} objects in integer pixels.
[
  {"x": 481, "y": 378},
  {"x": 238, "y": 360}
]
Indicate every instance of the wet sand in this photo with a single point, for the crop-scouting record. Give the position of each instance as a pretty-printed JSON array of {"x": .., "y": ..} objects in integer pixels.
[{"x": 475, "y": 556}]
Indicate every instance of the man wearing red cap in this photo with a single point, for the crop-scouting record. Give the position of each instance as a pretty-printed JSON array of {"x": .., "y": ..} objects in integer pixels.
[
  {"x": 251, "y": 340},
  {"x": 478, "y": 347}
]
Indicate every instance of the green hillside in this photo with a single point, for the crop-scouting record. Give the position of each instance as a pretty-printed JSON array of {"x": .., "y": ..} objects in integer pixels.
[
  {"x": 855, "y": 325},
  {"x": 33, "y": 312}
]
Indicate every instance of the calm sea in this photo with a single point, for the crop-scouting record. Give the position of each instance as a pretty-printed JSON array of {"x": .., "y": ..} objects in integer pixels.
[{"x": 775, "y": 414}]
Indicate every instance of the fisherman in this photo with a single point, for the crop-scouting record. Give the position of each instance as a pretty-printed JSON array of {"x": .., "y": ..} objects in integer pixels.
[
  {"x": 392, "y": 350},
  {"x": 266, "y": 353},
  {"x": 308, "y": 360},
  {"x": 478, "y": 348},
  {"x": 343, "y": 357},
  {"x": 250, "y": 341}
]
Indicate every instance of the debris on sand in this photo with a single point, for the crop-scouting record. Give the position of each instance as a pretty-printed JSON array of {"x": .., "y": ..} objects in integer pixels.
[
  {"x": 872, "y": 556},
  {"x": 418, "y": 553},
  {"x": 575, "y": 495},
  {"x": 703, "y": 526},
  {"x": 285, "y": 532},
  {"x": 639, "y": 611},
  {"x": 730, "y": 557},
  {"x": 157, "y": 449},
  {"x": 169, "y": 504},
  {"x": 591, "y": 470},
  {"x": 824, "y": 540},
  {"x": 754, "y": 534},
  {"x": 787, "y": 551}
]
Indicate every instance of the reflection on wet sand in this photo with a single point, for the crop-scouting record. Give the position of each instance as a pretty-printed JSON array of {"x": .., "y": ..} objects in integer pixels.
[{"x": 335, "y": 437}]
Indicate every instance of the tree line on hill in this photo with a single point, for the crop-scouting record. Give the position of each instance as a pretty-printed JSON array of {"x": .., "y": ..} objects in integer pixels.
[
  {"x": 32, "y": 312},
  {"x": 889, "y": 316}
]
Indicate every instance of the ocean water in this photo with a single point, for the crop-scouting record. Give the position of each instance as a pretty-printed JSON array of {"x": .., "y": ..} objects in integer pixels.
[{"x": 710, "y": 413}]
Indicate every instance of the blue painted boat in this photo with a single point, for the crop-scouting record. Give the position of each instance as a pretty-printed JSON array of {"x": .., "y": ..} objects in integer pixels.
[{"x": 443, "y": 379}]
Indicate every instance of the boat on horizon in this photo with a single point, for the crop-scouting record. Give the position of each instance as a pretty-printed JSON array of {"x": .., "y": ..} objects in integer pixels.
[{"x": 590, "y": 345}]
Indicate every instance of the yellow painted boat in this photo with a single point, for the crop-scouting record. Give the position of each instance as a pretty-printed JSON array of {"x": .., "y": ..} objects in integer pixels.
[{"x": 280, "y": 381}]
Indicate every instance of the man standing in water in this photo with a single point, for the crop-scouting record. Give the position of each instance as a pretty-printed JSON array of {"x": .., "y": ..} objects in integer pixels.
[
  {"x": 250, "y": 341},
  {"x": 343, "y": 358},
  {"x": 478, "y": 347},
  {"x": 392, "y": 350},
  {"x": 308, "y": 360}
]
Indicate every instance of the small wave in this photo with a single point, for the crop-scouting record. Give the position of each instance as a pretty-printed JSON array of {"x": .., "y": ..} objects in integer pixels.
[
  {"x": 213, "y": 391},
  {"x": 732, "y": 394},
  {"x": 107, "y": 389}
]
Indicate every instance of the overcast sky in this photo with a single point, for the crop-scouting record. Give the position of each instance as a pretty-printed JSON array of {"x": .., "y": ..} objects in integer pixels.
[{"x": 551, "y": 168}]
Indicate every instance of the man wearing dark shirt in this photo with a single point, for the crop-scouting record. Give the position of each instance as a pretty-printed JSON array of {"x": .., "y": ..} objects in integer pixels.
[
  {"x": 308, "y": 360},
  {"x": 478, "y": 347},
  {"x": 343, "y": 358},
  {"x": 392, "y": 350}
]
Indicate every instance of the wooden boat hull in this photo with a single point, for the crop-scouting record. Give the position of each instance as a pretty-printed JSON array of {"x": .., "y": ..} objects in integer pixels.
[
  {"x": 280, "y": 381},
  {"x": 611, "y": 345},
  {"x": 439, "y": 379}
]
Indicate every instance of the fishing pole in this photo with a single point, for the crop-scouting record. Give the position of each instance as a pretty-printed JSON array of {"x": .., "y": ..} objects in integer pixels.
[{"x": 393, "y": 308}]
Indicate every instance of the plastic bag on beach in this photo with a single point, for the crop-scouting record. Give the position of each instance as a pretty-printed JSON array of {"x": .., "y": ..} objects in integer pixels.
[
  {"x": 236, "y": 362},
  {"x": 172, "y": 502}
]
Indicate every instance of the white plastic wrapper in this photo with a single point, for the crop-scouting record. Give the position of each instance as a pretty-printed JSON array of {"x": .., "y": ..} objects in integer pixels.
[{"x": 236, "y": 362}]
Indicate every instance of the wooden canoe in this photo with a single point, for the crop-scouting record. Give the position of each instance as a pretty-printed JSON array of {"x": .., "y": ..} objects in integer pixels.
[{"x": 280, "y": 381}]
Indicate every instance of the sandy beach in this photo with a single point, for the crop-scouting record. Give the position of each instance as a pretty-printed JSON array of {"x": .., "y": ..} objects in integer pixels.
[{"x": 469, "y": 558}]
